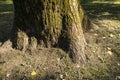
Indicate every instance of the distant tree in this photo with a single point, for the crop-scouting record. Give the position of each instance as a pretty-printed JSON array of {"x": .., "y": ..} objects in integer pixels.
[{"x": 50, "y": 24}]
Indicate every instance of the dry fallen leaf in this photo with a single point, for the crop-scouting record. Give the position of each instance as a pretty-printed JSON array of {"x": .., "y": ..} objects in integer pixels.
[
  {"x": 61, "y": 76},
  {"x": 108, "y": 48},
  {"x": 77, "y": 65},
  {"x": 111, "y": 35},
  {"x": 95, "y": 34},
  {"x": 103, "y": 37},
  {"x": 118, "y": 64},
  {"x": 33, "y": 73},
  {"x": 109, "y": 52},
  {"x": 58, "y": 59}
]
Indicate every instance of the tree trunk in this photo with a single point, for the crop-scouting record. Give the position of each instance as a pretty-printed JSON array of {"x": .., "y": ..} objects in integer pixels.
[{"x": 50, "y": 23}]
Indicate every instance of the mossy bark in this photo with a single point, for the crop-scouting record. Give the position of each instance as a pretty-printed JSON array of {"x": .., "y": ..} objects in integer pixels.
[{"x": 52, "y": 23}]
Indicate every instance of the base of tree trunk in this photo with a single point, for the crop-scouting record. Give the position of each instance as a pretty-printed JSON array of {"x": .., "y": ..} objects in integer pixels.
[{"x": 50, "y": 24}]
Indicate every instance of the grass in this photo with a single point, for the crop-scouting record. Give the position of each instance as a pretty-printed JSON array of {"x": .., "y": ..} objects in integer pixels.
[
  {"x": 6, "y": 19},
  {"x": 6, "y": 6},
  {"x": 6, "y": 2},
  {"x": 54, "y": 63},
  {"x": 102, "y": 10},
  {"x": 106, "y": 34}
]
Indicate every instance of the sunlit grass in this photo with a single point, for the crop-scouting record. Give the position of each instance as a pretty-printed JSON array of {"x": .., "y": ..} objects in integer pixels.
[
  {"x": 6, "y": 18},
  {"x": 107, "y": 2},
  {"x": 6, "y": 6},
  {"x": 6, "y": 2},
  {"x": 7, "y": 12}
]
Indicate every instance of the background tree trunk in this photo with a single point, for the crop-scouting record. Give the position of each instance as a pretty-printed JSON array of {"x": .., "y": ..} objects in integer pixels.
[{"x": 50, "y": 23}]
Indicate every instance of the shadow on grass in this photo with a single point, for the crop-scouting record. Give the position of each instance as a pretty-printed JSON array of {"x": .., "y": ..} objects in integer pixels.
[
  {"x": 20, "y": 76},
  {"x": 6, "y": 7},
  {"x": 6, "y": 21},
  {"x": 102, "y": 10}
]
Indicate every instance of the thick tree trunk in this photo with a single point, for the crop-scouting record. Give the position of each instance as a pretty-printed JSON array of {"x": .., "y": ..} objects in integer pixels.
[{"x": 50, "y": 23}]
